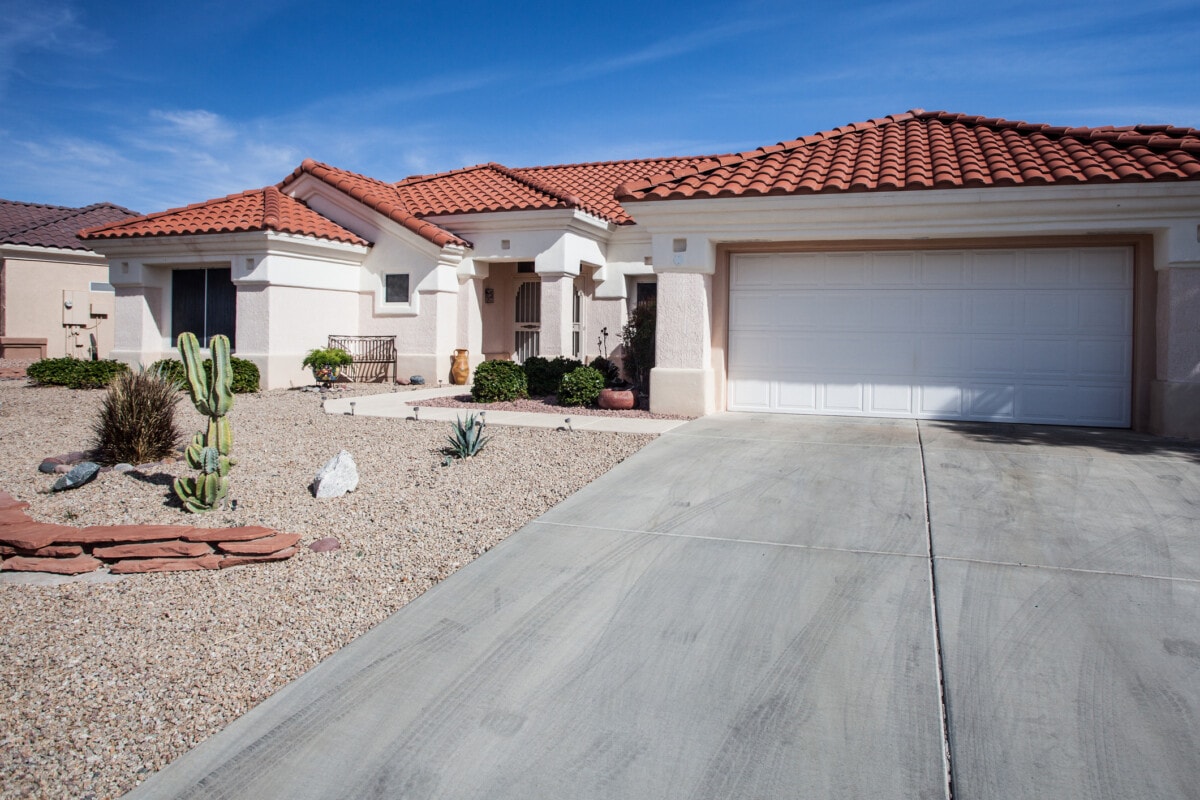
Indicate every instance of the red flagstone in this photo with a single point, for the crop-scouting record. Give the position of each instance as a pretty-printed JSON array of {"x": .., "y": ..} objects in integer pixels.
[
  {"x": 261, "y": 547},
  {"x": 237, "y": 561},
  {"x": 167, "y": 549},
  {"x": 59, "y": 566},
  {"x": 31, "y": 535},
  {"x": 227, "y": 534},
  {"x": 165, "y": 564},
  {"x": 119, "y": 534},
  {"x": 51, "y": 551}
]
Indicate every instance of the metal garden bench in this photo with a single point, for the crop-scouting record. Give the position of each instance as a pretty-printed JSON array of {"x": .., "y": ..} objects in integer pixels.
[{"x": 374, "y": 356}]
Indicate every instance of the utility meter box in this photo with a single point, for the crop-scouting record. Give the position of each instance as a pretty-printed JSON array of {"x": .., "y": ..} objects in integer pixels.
[{"x": 77, "y": 308}]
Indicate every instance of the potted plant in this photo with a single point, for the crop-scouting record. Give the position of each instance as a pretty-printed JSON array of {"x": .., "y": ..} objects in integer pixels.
[{"x": 326, "y": 363}]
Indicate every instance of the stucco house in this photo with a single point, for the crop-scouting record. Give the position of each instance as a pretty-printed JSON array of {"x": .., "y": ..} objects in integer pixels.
[
  {"x": 924, "y": 264},
  {"x": 55, "y": 299}
]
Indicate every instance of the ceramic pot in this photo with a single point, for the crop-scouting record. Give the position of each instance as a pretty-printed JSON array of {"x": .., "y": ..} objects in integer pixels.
[
  {"x": 616, "y": 399},
  {"x": 327, "y": 373},
  {"x": 460, "y": 370}
]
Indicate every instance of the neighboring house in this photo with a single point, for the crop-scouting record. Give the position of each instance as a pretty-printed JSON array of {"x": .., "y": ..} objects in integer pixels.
[
  {"x": 55, "y": 299},
  {"x": 921, "y": 265}
]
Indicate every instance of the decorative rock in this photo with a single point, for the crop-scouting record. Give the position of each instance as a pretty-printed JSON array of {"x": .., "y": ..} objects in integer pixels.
[
  {"x": 237, "y": 561},
  {"x": 153, "y": 550},
  {"x": 122, "y": 467},
  {"x": 261, "y": 547},
  {"x": 119, "y": 534},
  {"x": 338, "y": 476},
  {"x": 417, "y": 380},
  {"x": 325, "y": 545},
  {"x": 48, "y": 466},
  {"x": 242, "y": 534},
  {"x": 78, "y": 476},
  {"x": 58, "y": 566},
  {"x": 11, "y": 516},
  {"x": 165, "y": 564},
  {"x": 50, "y": 551},
  {"x": 63, "y": 469}
]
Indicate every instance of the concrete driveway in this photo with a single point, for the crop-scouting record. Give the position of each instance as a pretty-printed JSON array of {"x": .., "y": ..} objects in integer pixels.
[{"x": 760, "y": 606}]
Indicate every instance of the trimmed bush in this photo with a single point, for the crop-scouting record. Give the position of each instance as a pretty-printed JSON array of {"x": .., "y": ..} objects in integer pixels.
[
  {"x": 580, "y": 387},
  {"x": 245, "y": 373},
  {"x": 544, "y": 375},
  {"x": 74, "y": 373},
  {"x": 137, "y": 420},
  {"x": 498, "y": 382},
  {"x": 638, "y": 338},
  {"x": 610, "y": 371}
]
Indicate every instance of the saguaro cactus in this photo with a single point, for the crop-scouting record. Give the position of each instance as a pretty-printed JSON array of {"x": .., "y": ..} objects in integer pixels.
[{"x": 209, "y": 450}]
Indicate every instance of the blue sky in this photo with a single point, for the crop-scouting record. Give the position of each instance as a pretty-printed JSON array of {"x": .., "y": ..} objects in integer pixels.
[{"x": 153, "y": 105}]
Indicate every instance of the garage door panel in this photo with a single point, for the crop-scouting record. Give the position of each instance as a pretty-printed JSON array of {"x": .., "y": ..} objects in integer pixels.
[{"x": 1038, "y": 335}]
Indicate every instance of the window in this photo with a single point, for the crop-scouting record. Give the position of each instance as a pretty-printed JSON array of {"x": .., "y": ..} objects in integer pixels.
[
  {"x": 203, "y": 302},
  {"x": 646, "y": 293},
  {"x": 395, "y": 287},
  {"x": 101, "y": 286}
]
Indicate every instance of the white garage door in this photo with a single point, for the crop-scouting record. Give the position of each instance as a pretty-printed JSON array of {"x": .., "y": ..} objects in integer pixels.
[{"x": 1037, "y": 335}]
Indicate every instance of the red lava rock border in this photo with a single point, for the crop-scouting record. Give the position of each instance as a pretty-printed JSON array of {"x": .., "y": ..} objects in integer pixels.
[{"x": 30, "y": 546}]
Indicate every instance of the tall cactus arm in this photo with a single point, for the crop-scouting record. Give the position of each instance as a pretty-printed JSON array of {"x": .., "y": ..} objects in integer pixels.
[
  {"x": 220, "y": 398},
  {"x": 197, "y": 378}
]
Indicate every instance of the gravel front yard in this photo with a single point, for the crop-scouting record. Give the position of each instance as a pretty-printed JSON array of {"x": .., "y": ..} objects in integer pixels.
[{"x": 104, "y": 683}]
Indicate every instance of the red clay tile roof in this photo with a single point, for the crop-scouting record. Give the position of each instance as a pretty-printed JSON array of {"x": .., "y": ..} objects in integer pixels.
[
  {"x": 255, "y": 210},
  {"x": 494, "y": 187},
  {"x": 935, "y": 150},
  {"x": 377, "y": 195},
  {"x": 40, "y": 225}
]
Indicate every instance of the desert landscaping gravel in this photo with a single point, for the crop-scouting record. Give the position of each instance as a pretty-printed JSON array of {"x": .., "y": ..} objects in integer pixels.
[{"x": 103, "y": 683}]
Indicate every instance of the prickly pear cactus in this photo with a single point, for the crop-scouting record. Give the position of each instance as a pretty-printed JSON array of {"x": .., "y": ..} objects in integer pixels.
[{"x": 209, "y": 451}]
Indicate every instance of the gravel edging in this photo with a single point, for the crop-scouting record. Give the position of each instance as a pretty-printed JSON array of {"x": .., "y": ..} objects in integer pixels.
[{"x": 103, "y": 683}]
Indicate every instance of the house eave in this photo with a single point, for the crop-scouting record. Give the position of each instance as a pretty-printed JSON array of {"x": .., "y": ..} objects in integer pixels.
[{"x": 55, "y": 254}]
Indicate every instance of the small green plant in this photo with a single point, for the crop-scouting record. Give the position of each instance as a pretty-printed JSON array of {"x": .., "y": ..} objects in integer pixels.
[
  {"x": 136, "y": 424},
  {"x": 74, "y": 373},
  {"x": 498, "y": 382},
  {"x": 580, "y": 387},
  {"x": 327, "y": 357},
  {"x": 638, "y": 339},
  {"x": 466, "y": 438},
  {"x": 544, "y": 374},
  {"x": 245, "y": 373},
  {"x": 209, "y": 451}
]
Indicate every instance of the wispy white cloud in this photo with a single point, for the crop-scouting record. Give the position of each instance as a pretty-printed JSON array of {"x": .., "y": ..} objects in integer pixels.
[{"x": 42, "y": 26}]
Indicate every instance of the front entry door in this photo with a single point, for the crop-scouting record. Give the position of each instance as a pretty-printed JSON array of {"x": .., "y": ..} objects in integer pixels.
[{"x": 528, "y": 319}]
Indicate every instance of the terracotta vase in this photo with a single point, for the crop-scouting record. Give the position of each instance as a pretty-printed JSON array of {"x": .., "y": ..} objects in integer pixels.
[
  {"x": 616, "y": 399},
  {"x": 460, "y": 370}
]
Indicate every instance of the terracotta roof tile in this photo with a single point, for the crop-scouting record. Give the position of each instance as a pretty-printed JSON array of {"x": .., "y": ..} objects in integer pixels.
[
  {"x": 255, "y": 210},
  {"x": 53, "y": 226},
  {"x": 377, "y": 195},
  {"x": 936, "y": 149}
]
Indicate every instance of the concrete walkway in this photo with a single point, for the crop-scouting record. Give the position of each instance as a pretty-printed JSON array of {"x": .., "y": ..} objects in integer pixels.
[
  {"x": 765, "y": 606},
  {"x": 400, "y": 404}
]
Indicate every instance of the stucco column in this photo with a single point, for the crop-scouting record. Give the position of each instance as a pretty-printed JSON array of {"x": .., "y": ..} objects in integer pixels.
[
  {"x": 558, "y": 291},
  {"x": 1175, "y": 395},
  {"x": 682, "y": 379},
  {"x": 139, "y": 337}
]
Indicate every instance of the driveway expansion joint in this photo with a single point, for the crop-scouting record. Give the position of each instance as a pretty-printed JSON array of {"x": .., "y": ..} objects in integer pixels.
[{"x": 1075, "y": 570}]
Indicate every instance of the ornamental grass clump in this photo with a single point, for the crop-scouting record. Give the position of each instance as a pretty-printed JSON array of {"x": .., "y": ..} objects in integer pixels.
[{"x": 136, "y": 424}]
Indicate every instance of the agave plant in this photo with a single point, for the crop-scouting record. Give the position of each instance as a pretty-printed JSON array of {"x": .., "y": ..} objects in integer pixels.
[{"x": 466, "y": 438}]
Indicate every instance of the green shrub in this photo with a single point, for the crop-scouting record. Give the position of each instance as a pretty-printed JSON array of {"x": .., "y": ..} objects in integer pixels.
[
  {"x": 74, "y": 373},
  {"x": 610, "y": 371},
  {"x": 544, "y": 375},
  {"x": 638, "y": 339},
  {"x": 136, "y": 424},
  {"x": 499, "y": 381},
  {"x": 466, "y": 438},
  {"x": 327, "y": 357},
  {"x": 245, "y": 373},
  {"x": 580, "y": 387}
]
